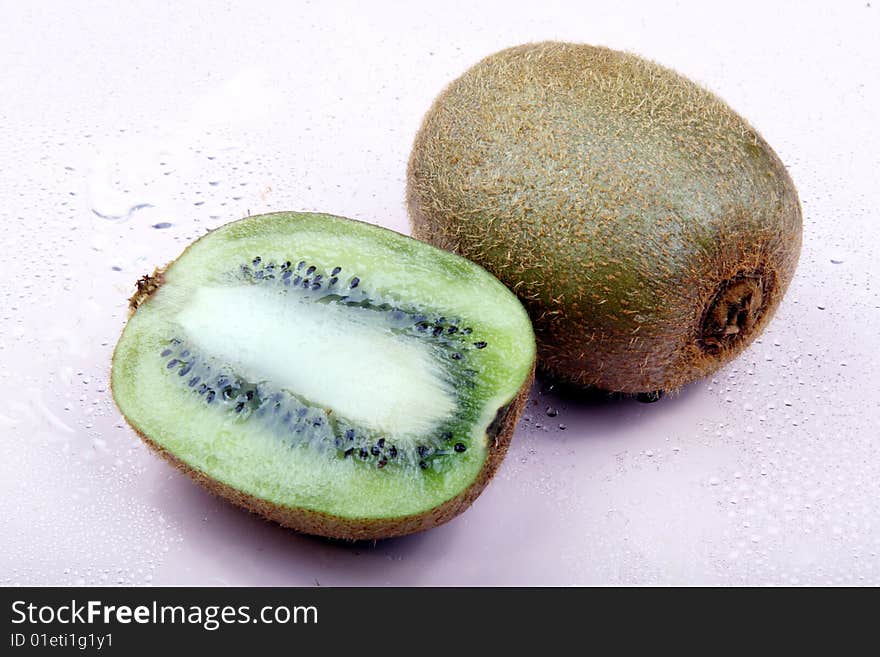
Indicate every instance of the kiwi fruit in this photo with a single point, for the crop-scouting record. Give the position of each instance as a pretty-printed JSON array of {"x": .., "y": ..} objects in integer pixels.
[
  {"x": 336, "y": 377},
  {"x": 650, "y": 231}
]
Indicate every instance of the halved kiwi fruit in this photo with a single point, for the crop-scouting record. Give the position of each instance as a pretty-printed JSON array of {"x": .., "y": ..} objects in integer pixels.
[
  {"x": 333, "y": 376},
  {"x": 649, "y": 229}
]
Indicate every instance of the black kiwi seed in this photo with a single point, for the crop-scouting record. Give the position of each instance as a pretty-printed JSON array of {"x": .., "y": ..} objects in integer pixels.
[
  {"x": 460, "y": 447},
  {"x": 446, "y": 435},
  {"x": 422, "y": 450},
  {"x": 301, "y": 264},
  {"x": 210, "y": 396},
  {"x": 185, "y": 369},
  {"x": 422, "y": 326},
  {"x": 382, "y": 463},
  {"x": 297, "y": 280},
  {"x": 172, "y": 363},
  {"x": 467, "y": 330},
  {"x": 316, "y": 285},
  {"x": 349, "y": 434},
  {"x": 335, "y": 271},
  {"x": 287, "y": 274},
  {"x": 354, "y": 282},
  {"x": 452, "y": 330},
  {"x": 437, "y": 330},
  {"x": 227, "y": 392},
  {"x": 423, "y": 465},
  {"x": 202, "y": 389},
  {"x": 455, "y": 355},
  {"x": 333, "y": 281},
  {"x": 364, "y": 453},
  {"x": 375, "y": 451},
  {"x": 310, "y": 270},
  {"x": 348, "y": 452},
  {"x": 381, "y": 442},
  {"x": 239, "y": 407},
  {"x": 165, "y": 352},
  {"x": 193, "y": 381},
  {"x": 285, "y": 264},
  {"x": 305, "y": 284},
  {"x": 257, "y": 261},
  {"x": 480, "y": 345},
  {"x": 392, "y": 452},
  {"x": 249, "y": 395}
]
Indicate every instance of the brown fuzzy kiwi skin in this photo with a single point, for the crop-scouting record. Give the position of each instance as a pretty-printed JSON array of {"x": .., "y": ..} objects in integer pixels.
[
  {"x": 649, "y": 230},
  {"x": 313, "y": 522},
  {"x": 309, "y": 521}
]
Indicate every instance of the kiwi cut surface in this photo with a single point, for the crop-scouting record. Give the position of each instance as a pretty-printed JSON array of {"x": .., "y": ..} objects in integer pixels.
[
  {"x": 650, "y": 230},
  {"x": 334, "y": 376}
]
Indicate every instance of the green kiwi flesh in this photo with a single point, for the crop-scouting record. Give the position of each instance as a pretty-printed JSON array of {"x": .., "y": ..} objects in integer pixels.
[
  {"x": 336, "y": 377},
  {"x": 650, "y": 231}
]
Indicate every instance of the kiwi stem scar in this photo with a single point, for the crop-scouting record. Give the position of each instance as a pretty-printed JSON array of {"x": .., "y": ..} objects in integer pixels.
[{"x": 735, "y": 309}]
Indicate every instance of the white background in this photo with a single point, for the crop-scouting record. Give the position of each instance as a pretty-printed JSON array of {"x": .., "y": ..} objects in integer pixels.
[{"x": 118, "y": 117}]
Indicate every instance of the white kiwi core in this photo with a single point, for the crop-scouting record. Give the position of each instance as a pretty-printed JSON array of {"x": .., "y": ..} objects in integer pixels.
[{"x": 325, "y": 353}]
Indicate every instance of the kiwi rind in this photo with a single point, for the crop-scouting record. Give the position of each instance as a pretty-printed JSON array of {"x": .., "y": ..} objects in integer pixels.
[
  {"x": 622, "y": 202},
  {"x": 309, "y": 520}
]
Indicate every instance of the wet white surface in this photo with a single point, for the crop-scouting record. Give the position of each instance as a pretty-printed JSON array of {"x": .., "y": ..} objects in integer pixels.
[{"x": 129, "y": 129}]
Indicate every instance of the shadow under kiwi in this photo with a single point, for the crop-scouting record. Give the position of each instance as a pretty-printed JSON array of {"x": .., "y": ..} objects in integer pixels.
[{"x": 559, "y": 406}]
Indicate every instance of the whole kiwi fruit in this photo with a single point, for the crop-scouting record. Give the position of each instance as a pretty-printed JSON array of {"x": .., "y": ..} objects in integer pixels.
[{"x": 650, "y": 231}]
